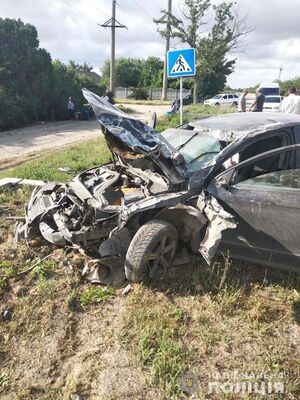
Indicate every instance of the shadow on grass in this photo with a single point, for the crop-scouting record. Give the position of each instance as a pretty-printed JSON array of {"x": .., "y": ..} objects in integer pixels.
[{"x": 226, "y": 276}]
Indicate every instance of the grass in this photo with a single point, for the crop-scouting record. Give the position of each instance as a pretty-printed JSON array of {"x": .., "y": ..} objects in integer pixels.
[
  {"x": 155, "y": 332},
  {"x": 44, "y": 270},
  {"x": 78, "y": 157},
  {"x": 204, "y": 321},
  {"x": 127, "y": 110},
  {"x": 144, "y": 102},
  {"x": 95, "y": 295},
  {"x": 6, "y": 269},
  {"x": 190, "y": 113}
]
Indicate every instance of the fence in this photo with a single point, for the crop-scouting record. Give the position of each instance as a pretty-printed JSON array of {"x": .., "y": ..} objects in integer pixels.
[{"x": 153, "y": 93}]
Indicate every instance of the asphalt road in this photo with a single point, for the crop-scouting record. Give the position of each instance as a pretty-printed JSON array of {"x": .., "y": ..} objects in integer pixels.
[{"x": 21, "y": 144}]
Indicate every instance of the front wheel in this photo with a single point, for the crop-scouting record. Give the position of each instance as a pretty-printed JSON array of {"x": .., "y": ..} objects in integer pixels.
[
  {"x": 151, "y": 251},
  {"x": 217, "y": 104},
  {"x": 234, "y": 104}
]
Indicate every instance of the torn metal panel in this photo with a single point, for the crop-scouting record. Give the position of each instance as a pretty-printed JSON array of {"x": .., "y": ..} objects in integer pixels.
[
  {"x": 127, "y": 133},
  {"x": 219, "y": 220},
  {"x": 11, "y": 182},
  {"x": 107, "y": 271},
  {"x": 188, "y": 220},
  {"x": 116, "y": 245}
]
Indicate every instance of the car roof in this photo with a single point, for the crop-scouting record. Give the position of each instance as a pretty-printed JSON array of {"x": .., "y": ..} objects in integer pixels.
[{"x": 242, "y": 123}]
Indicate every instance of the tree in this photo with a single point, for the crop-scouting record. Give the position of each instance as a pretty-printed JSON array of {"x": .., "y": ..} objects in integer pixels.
[
  {"x": 68, "y": 82},
  {"x": 152, "y": 72},
  {"x": 213, "y": 44},
  {"x": 25, "y": 74},
  {"x": 32, "y": 88},
  {"x": 128, "y": 72},
  {"x": 134, "y": 72}
]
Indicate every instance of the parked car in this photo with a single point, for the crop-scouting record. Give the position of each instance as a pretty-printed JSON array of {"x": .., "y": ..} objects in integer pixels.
[
  {"x": 223, "y": 99},
  {"x": 272, "y": 103},
  {"x": 225, "y": 183}
]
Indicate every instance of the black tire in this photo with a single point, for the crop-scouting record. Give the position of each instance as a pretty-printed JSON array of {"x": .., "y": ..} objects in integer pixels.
[
  {"x": 217, "y": 104},
  {"x": 156, "y": 238},
  {"x": 234, "y": 104}
]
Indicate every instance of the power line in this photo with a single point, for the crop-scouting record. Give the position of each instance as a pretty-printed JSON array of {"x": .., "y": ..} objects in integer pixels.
[
  {"x": 136, "y": 22},
  {"x": 142, "y": 8},
  {"x": 80, "y": 11}
]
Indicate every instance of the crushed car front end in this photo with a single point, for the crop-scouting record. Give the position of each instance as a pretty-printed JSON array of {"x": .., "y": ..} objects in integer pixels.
[{"x": 102, "y": 210}]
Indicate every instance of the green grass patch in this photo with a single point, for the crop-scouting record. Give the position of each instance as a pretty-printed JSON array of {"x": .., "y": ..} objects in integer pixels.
[
  {"x": 127, "y": 110},
  {"x": 44, "y": 270},
  {"x": 79, "y": 158},
  {"x": 6, "y": 269},
  {"x": 204, "y": 319},
  {"x": 95, "y": 295},
  {"x": 201, "y": 109},
  {"x": 156, "y": 333},
  {"x": 143, "y": 102},
  {"x": 189, "y": 114}
]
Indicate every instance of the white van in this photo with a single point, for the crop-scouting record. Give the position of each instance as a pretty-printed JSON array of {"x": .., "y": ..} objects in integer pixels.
[{"x": 270, "y": 88}]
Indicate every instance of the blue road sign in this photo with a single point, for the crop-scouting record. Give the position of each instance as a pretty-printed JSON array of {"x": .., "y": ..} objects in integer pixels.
[{"x": 181, "y": 63}]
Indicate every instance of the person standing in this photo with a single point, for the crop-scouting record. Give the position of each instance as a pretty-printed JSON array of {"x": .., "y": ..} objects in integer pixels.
[
  {"x": 291, "y": 103},
  {"x": 258, "y": 103},
  {"x": 71, "y": 108},
  {"x": 243, "y": 101}
]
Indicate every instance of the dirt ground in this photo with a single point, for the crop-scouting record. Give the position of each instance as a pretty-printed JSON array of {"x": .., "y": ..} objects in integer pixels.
[
  {"x": 18, "y": 145},
  {"x": 66, "y": 339}
]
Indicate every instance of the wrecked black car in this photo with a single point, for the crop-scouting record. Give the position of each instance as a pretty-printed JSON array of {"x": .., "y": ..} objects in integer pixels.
[{"x": 223, "y": 183}]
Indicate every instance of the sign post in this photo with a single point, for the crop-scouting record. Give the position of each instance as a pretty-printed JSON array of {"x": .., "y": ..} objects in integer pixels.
[
  {"x": 181, "y": 100},
  {"x": 181, "y": 63}
]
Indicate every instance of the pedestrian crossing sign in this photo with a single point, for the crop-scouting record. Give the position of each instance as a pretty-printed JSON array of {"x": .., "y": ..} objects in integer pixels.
[{"x": 181, "y": 63}]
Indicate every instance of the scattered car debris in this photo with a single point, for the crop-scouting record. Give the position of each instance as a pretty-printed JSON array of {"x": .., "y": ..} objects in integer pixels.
[
  {"x": 6, "y": 183},
  {"x": 76, "y": 396},
  {"x": 127, "y": 290},
  {"x": 4, "y": 211},
  {"x": 68, "y": 170},
  {"x": 161, "y": 192},
  {"x": 6, "y": 315}
]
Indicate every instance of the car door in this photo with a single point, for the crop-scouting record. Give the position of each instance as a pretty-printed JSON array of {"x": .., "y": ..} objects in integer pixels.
[
  {"x": 224, "y": 99},
  {"x": 266, "y": 206}
]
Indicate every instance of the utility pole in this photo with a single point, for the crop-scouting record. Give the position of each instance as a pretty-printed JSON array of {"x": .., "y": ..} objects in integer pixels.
[
  {"x": 166, "y": 19},
  {"x": 113, "y": 24},
  {"x": 280, "y": 72}
]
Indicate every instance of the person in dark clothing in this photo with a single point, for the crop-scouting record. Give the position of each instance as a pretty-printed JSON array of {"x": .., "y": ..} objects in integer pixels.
[
  {"x": 71, "y": 108},
  {"x": 258, "y": 103}
]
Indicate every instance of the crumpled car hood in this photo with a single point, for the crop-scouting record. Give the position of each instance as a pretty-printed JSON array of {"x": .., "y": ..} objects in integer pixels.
[{"x": 128, "y": 138}]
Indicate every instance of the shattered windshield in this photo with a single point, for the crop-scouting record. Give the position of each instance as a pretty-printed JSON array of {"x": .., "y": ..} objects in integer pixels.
[{"x": 197, "y": 148}]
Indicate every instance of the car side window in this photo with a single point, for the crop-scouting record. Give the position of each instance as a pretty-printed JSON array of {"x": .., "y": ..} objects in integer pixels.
[
  {"x": 224, "y": 97},
  {"x": 271, "y": 164},
  {"x": 279, "y": 180},
  {"x": 230, "y": 96},
  {"x": 272, "y": 142}
]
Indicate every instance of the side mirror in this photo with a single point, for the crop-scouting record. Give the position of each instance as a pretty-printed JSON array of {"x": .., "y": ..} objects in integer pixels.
[{"x": 153, "y": 120}]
